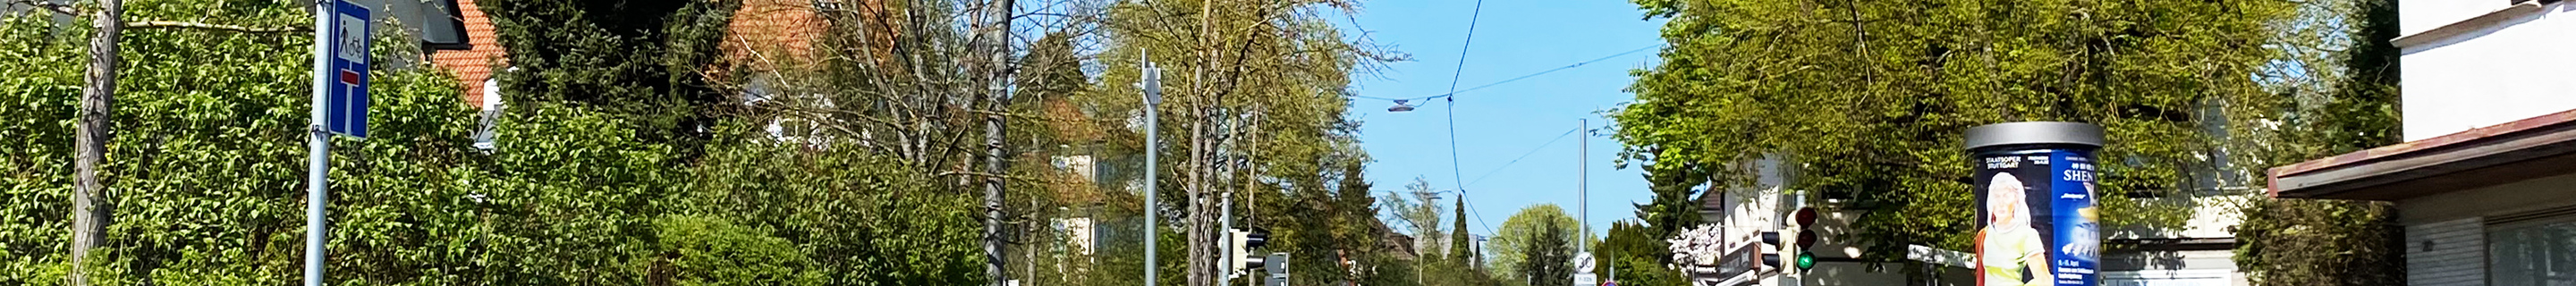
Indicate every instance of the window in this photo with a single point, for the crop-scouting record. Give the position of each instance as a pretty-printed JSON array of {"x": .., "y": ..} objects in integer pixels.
[
  {"x": 443, "y": 26},
  {"x": 491, "y": 114},
  {"x": 788, "y": 128},
  {"x": 2533, "y": 252}
]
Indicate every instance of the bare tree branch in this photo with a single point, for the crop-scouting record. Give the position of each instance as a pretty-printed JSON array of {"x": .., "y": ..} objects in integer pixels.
[
  {"x": 148, "y": 25},
  {"x": 69, "y": 10}
]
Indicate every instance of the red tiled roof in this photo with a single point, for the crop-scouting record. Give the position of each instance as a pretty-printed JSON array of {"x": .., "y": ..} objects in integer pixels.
[
  {"x": 474, "y": 65},
  {"x": 773, "y": 33},
  {"x": 765, "y": 33}
]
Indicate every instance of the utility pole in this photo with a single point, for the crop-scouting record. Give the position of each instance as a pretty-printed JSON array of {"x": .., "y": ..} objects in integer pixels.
[
  {"x": 1584, "y": 257},
  {"x": 88, "y": 215}
]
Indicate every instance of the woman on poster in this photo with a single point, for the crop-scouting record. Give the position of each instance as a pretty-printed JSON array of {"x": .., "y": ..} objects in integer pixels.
[{"x": 2010, "y": 251}]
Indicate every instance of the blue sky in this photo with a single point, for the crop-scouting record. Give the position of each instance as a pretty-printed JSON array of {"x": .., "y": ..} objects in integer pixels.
[{"x": 1503, "y": 122}]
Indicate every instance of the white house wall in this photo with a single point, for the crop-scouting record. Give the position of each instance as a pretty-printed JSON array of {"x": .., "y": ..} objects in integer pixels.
[
  {"x": 2446, "y": 234},
  {"x": 2486, "y": 71}
]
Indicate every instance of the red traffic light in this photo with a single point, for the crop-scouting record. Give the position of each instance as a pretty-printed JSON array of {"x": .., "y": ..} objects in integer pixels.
[
  {"x": 1806, "y": 238},
  {"x": 1805, "y": 216}
]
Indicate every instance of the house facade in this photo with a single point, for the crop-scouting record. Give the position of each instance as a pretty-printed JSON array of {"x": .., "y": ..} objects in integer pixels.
[{"x": 2485, "y": 186}]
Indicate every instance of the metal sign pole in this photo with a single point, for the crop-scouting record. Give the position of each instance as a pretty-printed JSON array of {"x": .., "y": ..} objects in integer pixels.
[
  {"x": 319, "y": 149},
  {"x": 339, "y": 107}
]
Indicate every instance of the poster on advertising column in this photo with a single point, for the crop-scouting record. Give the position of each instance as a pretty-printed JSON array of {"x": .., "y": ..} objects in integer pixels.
[{"x": 2037, "y": 224}]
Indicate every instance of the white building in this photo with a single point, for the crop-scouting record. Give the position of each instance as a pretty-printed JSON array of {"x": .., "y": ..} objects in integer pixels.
[
  {"x": 2472, "y": 64},
  {"x": 2486, "y": 184},
  {"x": 1743, "y": 214}
]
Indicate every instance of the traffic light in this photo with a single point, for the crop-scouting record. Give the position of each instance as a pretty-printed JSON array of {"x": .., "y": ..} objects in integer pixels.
[
  {"x": 1240, "y": 245},
  {"x": 1278, "y": 269},
  {"x": 1771, "y": 255},
  {"x": 1805, "y": 217}
]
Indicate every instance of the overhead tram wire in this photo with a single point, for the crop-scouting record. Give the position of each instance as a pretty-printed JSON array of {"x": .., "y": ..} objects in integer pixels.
[
  {"x": 1516, "y": 160},
  {"x": 1480, "y": 218},
  {"x": 1455, "y": 175},
  {"x": 1513, "y": 79}
]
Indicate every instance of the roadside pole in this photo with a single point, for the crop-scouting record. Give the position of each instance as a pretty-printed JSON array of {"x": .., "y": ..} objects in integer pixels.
[
  {"x": 319, "y": 149},
  {"x": 1225, "y": 226},
  {"x": 339, "y": 107},
  {"x": 1153, "y": 84},
  {"x": 1584, "y": 257}
]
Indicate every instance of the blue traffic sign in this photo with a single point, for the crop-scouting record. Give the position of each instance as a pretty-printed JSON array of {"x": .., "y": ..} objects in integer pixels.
[{"x": 346, "y": 110}]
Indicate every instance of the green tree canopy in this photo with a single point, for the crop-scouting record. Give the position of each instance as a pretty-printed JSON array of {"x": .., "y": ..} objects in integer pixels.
[
  {"x": 651, "y": 63},
  {"x": 1525, "y": 230},
  {"x": 1549, "y": 257},
  {"x": 2334, "y": 91},
  {"x": 1868, "y": 99},
  {"x": 1460, "y": 247},
  {"x": 1637, "y": 256}
]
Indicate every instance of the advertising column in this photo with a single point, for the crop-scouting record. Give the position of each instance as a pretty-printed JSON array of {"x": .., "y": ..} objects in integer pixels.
[{"x": 2035, "y": 213}]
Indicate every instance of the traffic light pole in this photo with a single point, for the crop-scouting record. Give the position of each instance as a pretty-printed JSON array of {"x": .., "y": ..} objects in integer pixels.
[{"x": 1225, "y": 221}]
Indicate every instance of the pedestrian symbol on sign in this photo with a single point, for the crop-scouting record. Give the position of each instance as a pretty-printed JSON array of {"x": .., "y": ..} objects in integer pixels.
[{"x": 353, "y": 35}]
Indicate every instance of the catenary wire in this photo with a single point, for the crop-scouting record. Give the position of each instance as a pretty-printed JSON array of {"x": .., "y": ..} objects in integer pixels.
[
  {"x": 1532, "y": 151},
  {"x": 1518, "y": 78}
]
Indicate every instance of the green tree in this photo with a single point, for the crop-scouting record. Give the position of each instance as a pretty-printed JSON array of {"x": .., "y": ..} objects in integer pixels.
[
  {"x": 1419, "y": 216},
  {"x": 861, "y": 217},
  {"x": 709, "y": 251},
  {"x": 1526, "y": 229},
  {"x": 1868, "y": 98},
  {"x": 624, "y": 159},
  {"x": 650, "y": 63},
  {"x": 573, "y": 196},
  {"x": 1550, "y": 258},
  {"x": 204, "y": 177},
  {"x": 2334, "y": 91},
  {"x": 1637, "y": 256},
  {"x": 1391, "y": 272},
  {"x": 1675, "y": 204},
  {"x": 1460, "y": 248},
  {"x": 1341, "y": 241},
  {"x": 1257, "y": 81}
]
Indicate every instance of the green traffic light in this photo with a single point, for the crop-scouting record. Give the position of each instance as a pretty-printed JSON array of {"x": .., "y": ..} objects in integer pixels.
[{"x": 1806, "y": 260}]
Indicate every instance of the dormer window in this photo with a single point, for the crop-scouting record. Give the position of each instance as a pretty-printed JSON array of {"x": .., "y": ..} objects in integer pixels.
[{"x": 443, "y": 26}]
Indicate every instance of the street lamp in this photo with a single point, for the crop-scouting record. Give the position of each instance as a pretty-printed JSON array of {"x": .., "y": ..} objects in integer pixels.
[
  {"x": 1399, "y": 107},
  {"x": 1153, "y": 86}
]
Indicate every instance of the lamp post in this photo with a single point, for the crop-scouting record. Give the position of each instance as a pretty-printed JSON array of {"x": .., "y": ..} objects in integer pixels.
[{"x": 1152, "y": 81}]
